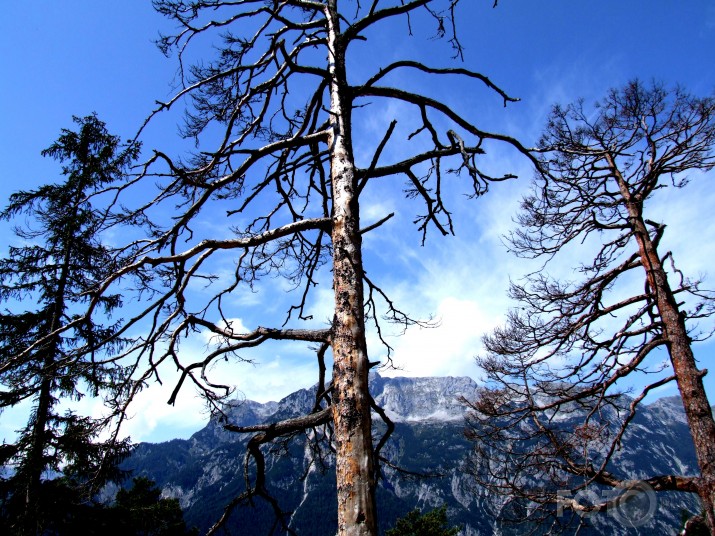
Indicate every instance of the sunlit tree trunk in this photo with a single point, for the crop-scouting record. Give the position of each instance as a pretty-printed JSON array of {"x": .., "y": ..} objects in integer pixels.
[
  {"x": 272, "y": 135},
  {"x": 688, "y": 376},
  {"x": 351, "y": 402}
]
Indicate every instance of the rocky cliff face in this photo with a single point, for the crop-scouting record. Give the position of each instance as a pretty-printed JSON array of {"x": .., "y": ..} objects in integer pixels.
[{"x": 206, "y": 471}]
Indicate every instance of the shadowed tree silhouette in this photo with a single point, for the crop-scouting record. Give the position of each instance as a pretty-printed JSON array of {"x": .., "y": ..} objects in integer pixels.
[{"x": 44, "y": 284}]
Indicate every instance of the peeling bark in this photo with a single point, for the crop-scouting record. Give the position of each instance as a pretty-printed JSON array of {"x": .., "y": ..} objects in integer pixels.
[
  {"x": 351, "y": 400},
  {"x": 270, "y": 140}
]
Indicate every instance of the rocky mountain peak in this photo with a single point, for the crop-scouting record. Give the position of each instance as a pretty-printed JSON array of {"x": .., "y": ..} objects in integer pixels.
[
  {"x": 206, "y": 472},
  {"x": 404, "y": 399},
  {"x": 422, "y": 399}
]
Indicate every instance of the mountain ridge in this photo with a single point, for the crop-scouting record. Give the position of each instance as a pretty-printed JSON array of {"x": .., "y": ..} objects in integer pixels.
[{"x": 206, "y": 471}]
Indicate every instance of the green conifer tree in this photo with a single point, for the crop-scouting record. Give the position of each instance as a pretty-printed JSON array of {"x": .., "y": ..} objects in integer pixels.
[
  {"x": 47, "y": 355},
  {"x": 142, "y": 510},
  {"x": 415, "y": 523}
]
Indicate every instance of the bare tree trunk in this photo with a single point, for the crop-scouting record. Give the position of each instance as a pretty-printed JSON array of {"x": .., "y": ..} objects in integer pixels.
[
  {"x": 351, "y": 399},
  {"x": 688, "y": 376}
]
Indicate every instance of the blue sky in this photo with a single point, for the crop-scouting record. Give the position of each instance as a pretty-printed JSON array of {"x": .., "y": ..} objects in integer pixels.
[{"x": 75, "y": 57}]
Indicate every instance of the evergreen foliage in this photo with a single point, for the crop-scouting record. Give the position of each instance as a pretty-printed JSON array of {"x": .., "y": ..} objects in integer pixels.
[
  {"x": 48, "y": 353},
  {"x": 142, "y": 511},
  {"x": 139, "y": 511},
  {"x": 415, "y": 523}
]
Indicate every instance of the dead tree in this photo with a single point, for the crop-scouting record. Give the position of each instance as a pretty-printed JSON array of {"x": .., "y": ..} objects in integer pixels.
[
  {"x": 567, "y": 347},
  {"x": 274, "y": 170}
]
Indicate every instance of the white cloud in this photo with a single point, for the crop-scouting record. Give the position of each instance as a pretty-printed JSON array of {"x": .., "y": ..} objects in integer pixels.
[
  {"x": 236, "y": 326},
  {"x": 460, "y": 285},
  {"x": 153, "y": 419},
  {"x": 690, "y": 231},
  {"x": 278, "y": 370},
  {"x": 445, "y": 350}
]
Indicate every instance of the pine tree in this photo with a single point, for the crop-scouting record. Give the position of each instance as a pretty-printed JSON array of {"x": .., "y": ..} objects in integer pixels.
[
  {"x": 142, "y": 510},
  {"x": 48, "y": 354},
  {"x": 416, "y": 523},
  {"x": 628, "y": 312}
]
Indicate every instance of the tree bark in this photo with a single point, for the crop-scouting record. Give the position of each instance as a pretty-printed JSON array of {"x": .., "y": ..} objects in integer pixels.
[
  {"x": 688, "y": 377},
  {"x": 351, "y": 399}
]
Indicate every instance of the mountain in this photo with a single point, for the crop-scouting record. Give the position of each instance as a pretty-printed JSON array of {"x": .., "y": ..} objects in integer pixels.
[{"x": 206, "y": 471}]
